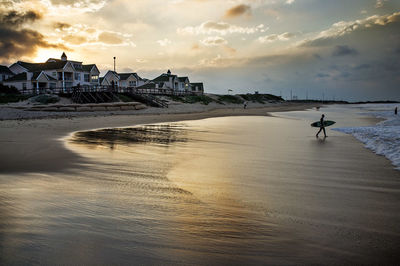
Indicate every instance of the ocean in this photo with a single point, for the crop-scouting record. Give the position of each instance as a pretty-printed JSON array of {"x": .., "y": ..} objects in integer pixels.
[{"x": 227, "y": 190}]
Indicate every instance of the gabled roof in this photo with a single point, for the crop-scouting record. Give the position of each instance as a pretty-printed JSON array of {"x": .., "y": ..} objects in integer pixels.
[
  {"x": 183, "y": 79},
  {"x": 151, "y": 85},
  {"x": 125, "y": 76},
  {"x": 164, "y": 78},
  {"x": 88, "y": 68},
  {"x": 112, "y": 72},
  {"x": 19, "y": 77},
  {"x": 5, "y": 70},
  {"x": 33, "y": 67},
  {"x": 36, "y": 75}
]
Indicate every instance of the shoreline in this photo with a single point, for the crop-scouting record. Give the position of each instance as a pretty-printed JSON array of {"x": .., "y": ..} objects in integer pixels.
[{"x": 11, "y": 112}]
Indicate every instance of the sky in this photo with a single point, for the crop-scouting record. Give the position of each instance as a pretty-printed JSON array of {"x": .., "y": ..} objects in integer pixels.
[{"x": 342, "y": 50}]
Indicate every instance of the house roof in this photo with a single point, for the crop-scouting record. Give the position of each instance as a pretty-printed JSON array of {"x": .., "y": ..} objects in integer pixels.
[
  {"x": 33, "y": 67},
  {"x": 87, "y": 68},
  {"x": 37, "y": 74},
  {"x": 19, "y": 77},
  {"x": 150, "y": 85},
  {"x": 5, "y": 70},
  {"x": 125, "y": 76},
  {"x": 163, "y": 78},
  {"x": 183, "y": 79}
]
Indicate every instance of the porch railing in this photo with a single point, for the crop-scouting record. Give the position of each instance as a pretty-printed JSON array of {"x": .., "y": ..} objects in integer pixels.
[{"x": 133, "y": 90}]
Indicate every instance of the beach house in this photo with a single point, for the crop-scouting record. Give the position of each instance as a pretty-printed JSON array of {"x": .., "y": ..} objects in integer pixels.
[
  {"x": 122, "y": 80},
  {"x": 5, "y": 73},
  {"x": 175, "y": 83},
  {"x": 197, "y": 88},
  {"x": 167, "y": 80},
  {"x": 62, "y": 74}
]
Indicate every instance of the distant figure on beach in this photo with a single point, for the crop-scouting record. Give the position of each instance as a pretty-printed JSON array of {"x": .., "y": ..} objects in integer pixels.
[
  {"x": 245, "y": 105},
  {"x": 395, "y": 110},
  {"x": 322, "y": 127}
]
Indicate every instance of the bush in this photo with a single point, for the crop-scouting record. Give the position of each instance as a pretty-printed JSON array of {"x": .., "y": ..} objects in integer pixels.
[
  {"x": 45, "y": 99},
  {"x": 12, "y": 98},
  {"x": 177, "y": 98},
  {"x": 203, "y": 99},
  {"x": 8, "y": 90},
  {"x": 125, "y": 98}
]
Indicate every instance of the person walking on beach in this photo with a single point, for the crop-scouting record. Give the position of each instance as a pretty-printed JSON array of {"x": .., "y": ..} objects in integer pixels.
[
  {"x": 322, "y": 127},
  {"x": 244, "y": 105},
  {"x": 395, "y": 110}
]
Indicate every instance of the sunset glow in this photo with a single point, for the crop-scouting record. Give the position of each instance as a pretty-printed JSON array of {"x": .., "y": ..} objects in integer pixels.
[{"x": 350, "y": 48}]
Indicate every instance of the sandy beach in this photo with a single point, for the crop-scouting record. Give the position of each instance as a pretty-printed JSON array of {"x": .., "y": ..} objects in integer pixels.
[{"x": 309, "y": 201}]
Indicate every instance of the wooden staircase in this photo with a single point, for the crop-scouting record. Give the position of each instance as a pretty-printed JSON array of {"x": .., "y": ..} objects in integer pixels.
[
  {"x": 148, "y": 99},
  {"x": 79, "y": 96}
]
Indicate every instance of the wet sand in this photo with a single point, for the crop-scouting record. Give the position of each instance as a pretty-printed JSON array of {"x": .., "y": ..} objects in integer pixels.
[
  {"x": 325, "y": 201},
  {"x": 34, "y": 145}
]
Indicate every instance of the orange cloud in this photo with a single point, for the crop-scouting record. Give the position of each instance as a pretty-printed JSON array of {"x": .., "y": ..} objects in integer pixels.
[{"x": 238, "y": 11}]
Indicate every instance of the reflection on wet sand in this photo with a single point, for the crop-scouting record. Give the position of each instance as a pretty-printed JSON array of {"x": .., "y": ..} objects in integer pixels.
[{"x": 156, "y": 134}]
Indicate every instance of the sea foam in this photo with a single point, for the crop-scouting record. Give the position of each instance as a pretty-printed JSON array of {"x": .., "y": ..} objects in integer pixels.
[{"x": 382, "y": 138}]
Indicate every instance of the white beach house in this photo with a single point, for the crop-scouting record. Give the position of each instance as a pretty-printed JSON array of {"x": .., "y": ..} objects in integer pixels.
[
  {"x": 122, "y": 80},
  {"x": 54, "y": 73}
]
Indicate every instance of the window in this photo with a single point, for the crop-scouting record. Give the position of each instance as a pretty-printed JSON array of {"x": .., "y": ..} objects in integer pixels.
[
  {"x": 23, "y": 86},
  {"x": 87, "y": 78},
  {"x": 132, "y": 83},
  {"x": 95, "y": 78},
  {"x": 52, "y": 86},
  {"x": 3, "y": 77},
  {"x": 77, "y": 76},
  {"x": 54, "y": 74}
]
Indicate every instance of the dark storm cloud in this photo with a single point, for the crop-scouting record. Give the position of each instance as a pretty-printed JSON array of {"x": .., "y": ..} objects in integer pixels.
[
  {"x": 238, "y": 11},
  {"x": 343, "y": 50},
  {"x": 15, "y": 41},
  {"x": 16, "y": 19}
]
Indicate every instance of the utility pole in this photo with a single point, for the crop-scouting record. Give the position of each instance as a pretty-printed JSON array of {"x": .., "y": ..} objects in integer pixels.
[{"x": 114, "y": 63}]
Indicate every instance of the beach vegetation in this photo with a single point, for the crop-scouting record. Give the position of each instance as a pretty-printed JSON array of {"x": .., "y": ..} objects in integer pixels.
[
  {"x": 261, "y": 98},
  {"x": 230, "y": 99},
  {"x": 45, "y": 99},
  {"x": 125, "y": 98},
  {"x": 203, "y": 99},
  {"x": 11, "y": 95}
]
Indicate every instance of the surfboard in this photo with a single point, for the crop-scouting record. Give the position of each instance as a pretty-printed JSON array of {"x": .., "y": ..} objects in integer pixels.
[{"x": 327, "y": 123}]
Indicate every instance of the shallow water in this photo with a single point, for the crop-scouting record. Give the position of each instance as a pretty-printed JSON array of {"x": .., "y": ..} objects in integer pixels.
[{"x": 232, "y": 190}]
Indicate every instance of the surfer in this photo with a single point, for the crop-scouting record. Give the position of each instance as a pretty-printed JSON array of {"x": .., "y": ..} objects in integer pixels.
[{"x": 321, "y": 127}]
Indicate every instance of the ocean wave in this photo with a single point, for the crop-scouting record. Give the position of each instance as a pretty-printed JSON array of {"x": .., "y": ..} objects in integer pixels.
[{"x": 382, "y": 138}]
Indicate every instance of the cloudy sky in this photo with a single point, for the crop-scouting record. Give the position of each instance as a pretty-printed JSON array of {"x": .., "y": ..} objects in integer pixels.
[{"x": 334, "y": 49}]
